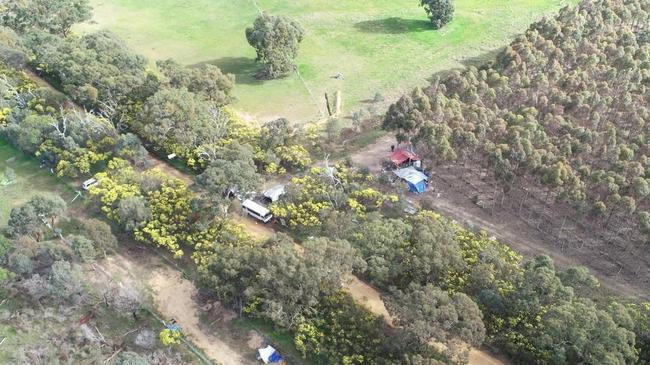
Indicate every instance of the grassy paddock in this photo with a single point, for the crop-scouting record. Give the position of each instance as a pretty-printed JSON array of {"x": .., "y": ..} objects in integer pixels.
[
  {"x": 377, "y": 45},
  {"x": 30, "y": 180}
]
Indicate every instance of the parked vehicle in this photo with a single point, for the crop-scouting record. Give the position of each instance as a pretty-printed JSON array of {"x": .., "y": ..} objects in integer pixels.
[
  {"x": 257, "y": 211},
  {"x": 88, "y": 183}
]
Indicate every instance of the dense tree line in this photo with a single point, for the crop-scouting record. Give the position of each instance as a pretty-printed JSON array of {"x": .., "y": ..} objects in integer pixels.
[
  {"x": 174, "y": 109},
  {"x": 459, "y": 288},
  {"x": 72, "y": 142},
  {"x": 564, "y": 106},
  {"x": 441, "y": 276}
]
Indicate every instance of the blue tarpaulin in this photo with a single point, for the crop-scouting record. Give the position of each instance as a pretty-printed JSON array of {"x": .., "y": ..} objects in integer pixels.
[
  {"x": 269, "y": 355},
  {"x": 417, "y": 180},
  {"x": 420, "y": 187},
  {"x": 173, "y": 327},
  {"x": 275, "y": 357}
]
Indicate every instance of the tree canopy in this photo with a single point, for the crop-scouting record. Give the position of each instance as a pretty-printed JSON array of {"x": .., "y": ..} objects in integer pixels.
[
  {"x": 440, "y": 12},
  {"x": 54, "y": 16},
  {"x": 276, "y": 40}
]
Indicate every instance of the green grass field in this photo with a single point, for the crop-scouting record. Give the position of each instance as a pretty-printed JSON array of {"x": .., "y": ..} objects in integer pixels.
[
  {"x": 377, "y": 45},
  {"x": 30, "y": 180}
]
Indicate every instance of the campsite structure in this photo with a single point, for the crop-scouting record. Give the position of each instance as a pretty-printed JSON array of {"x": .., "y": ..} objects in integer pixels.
[
  {"x": 273, "y": 194},
  {"x": 269, "y": 355},
  {"x": 417, "y": 181},
  {"x": 403, "y": 158}
]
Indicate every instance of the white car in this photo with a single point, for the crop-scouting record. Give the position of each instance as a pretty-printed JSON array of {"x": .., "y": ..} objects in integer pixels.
[{"x": 88, "y": 183}]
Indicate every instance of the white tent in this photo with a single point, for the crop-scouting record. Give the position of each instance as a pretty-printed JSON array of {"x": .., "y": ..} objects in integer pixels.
[
  {"x": 411, "y": 175},
  {"x": 265, "y": 353},
  {"x": 274, "y": 193}
]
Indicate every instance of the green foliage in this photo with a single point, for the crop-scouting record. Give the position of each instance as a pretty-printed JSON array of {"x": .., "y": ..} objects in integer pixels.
[
  {"x": 54, "y": 16},
  {"x": 169, "y": 337},
  {"x": 427, "y": 312},
  {"x": 83, "y": 247},
  {"x": 100, "y": 234},
  {"x": 206, "y": 80},
  {"x": 170, "y": 211},
  {"x": 133, "y": 212},
  {"x": 65, "y": 280},
  {"x": 339, "y": 188},
  {"x": 278, "y": 280},
  {"x": 175, "y": 119},
  {"x": 640, "y": 324},
  {"x": 95, "y": 68},
  {"x": 32, "y": 217},
  {"x": 6, "y": 246},
  {"x": 5, "y": 277},
  {"x": 276, "y": 40},
  {"x": 440, "y": 12},
  {"x": 119, "y": 181},
  {"x": 236, "y": 174},
  {"x": 342, "y": 332},
  {"x": 578, "y": 332}
]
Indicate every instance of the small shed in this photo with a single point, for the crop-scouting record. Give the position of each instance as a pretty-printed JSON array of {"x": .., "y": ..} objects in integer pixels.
[
  {"x": 403, "y": 157},
  {"x": 417, "y": 180},
  {"x": 269, "y": 355},
  {"x": 273, "y": 194}
]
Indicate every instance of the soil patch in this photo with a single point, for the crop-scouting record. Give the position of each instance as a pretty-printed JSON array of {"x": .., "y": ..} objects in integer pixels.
[{"x": 175, "y": 298}]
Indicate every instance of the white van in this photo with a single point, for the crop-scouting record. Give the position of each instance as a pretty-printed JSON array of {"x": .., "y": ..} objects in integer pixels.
[
  {"x": 257, "y": 211},
  {"x": 88, "y": 183}
]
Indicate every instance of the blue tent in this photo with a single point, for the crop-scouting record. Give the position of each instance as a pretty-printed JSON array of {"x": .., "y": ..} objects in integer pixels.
[
  {"x": 417, "y": 180},
  {"x": 269, "y": 355},
  {"x": 420, "y": 187}
]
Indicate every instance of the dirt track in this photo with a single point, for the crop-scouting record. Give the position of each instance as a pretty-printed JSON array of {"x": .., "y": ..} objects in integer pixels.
[{"x": 174, "y": 297}]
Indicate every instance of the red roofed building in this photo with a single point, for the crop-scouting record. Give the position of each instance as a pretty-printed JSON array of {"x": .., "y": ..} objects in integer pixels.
[{"x": 400, "y": 157}]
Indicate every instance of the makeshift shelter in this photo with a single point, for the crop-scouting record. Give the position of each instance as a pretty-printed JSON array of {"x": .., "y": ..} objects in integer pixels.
[
  {"x": 402, "y": 157},
  {"x": 417, "y": 180},
  {"x": 274, "y": 193},
  {"x": 269, "y": 355}
]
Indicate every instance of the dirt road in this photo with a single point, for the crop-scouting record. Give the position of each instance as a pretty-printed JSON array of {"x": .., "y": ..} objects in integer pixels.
[{"x": 174, "y": 298}]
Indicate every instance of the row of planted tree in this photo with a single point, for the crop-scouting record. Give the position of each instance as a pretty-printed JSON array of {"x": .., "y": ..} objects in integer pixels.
[{"x": 564, "y": 107}]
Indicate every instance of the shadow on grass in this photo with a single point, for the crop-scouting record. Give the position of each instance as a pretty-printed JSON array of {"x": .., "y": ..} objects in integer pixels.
[
  {"x": 243, "y": 68},
  {"x": 394, "y": 25},
  {"x": 486, "y": 59}
]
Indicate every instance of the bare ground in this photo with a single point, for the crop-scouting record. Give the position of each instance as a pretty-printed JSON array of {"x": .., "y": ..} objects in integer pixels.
[
  {"x": 175, "y": 297},
  {"x": 453, "y": 202}
]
